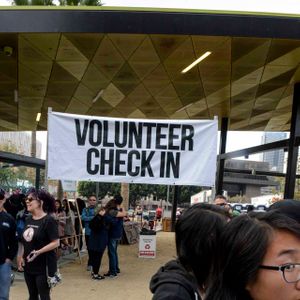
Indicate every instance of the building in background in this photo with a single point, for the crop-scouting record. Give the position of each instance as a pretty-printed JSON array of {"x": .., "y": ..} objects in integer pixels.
[
  {"x": 275, "y": 158},
  {"x": 19, "y": 142},
  {"x": 247, "y": 185}
]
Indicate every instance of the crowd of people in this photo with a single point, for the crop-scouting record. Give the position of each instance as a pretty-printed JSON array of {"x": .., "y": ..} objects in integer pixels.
[
  {"x": 221, "y": 255},
  {"x": 35, "y": 228}
]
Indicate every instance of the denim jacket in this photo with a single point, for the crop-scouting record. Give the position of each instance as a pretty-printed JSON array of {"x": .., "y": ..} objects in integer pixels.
[{"x": 88, "y": 214}]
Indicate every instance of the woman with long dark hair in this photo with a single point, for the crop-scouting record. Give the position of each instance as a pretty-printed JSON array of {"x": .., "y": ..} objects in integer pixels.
[
  {"x": 98, "y": 241},
  {"x": 39, "y": 239},
  {"x": 197, "y": 233},
  {"x": 259, "y": 259}
]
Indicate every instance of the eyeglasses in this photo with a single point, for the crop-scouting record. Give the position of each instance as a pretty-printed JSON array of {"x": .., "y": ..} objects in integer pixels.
[
  {"x": 30, "y": 199},
  {"x": 290, "y": 272},
  {"x": 221, "y": 204}
]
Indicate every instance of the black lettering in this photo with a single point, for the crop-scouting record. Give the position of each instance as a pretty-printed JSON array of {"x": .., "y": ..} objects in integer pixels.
[
  {"x": 95, "y": 153},
  {"x": 171, "y": 163},
  {"x": 149, "y": 127},
  {"x": 135, "y": 134},
  {"x": 160, "y": 136},
  {"x": 162, "y": 164},
  {"x": 95, "y": 141},
  {"x": 81, "y": 137},
  {"x": 119, "y": 163},
  {"x": 145, "y": 163},
  {"x": 129, "y": 163},
  {"x": 121, "y": 144},
  {"x": 107, "y": 161},
  {"x": 106, "y": 143},
  {"x": 187, "y": 137},
  {"x": 173, "y": 136}
]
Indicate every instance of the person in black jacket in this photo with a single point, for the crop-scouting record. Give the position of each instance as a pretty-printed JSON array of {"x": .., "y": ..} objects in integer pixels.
[
  {"x": 8, "y": 247},
  {"x": 197, "y": 234}
]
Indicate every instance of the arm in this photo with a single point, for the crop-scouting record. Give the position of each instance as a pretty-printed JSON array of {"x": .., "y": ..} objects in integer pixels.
[
  {"x": 12, "y": 243},
  {"x": 20, "y": 260}
]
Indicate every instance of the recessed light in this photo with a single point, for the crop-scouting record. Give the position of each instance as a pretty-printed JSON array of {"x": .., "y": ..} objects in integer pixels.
[
  {"x": 38, "y": 117},
  {"x": 193, "y": 64}
]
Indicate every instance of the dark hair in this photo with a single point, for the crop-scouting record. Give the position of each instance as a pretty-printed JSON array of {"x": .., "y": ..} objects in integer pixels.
[
  {"x": 221, "y": 197},
  {"x": 2, "y": 194},
  {"x": 290, "y": 208},
  {"x": 46, "y": 197},
  {"x": 197, "y": 233},
  {"x": 118, "y": 199},
  {"x": 60, "y": 206},
  {"x": 242, "y": 248},
  {"x": 111, "y": 204}
]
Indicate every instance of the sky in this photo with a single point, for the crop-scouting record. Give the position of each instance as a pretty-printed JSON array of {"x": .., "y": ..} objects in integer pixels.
[{"x": 275, "y": 6}]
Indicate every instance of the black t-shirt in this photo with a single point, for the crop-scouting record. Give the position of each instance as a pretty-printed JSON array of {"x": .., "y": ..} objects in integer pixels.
[
  {"x": 36, "y": 235},
  {"x": 8, "y": 238}
]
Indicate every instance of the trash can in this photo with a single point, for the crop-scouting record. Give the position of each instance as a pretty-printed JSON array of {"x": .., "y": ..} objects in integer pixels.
[
  {"x": 167, "y": 224},
  {"x": 147, "y": 244}
]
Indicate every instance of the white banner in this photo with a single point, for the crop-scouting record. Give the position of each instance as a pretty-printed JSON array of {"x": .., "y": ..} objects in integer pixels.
[
  {"x": 181, "y": 152},
  {"x": 69, "y": 185}
]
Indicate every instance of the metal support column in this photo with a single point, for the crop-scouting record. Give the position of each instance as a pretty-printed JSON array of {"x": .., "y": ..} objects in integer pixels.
[
  {"x": 221, "y": 161},
  {"x": 37, "y": 178},
  {"x": 174, "y": 207},
  {"x": 291, "y": 170}
]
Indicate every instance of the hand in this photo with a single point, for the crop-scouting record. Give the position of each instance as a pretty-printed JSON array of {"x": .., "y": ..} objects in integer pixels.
[
  {"x": 20, "y": 262},
  {"x": 7, "y": 261},
  {"x": 32, "y": 255}
]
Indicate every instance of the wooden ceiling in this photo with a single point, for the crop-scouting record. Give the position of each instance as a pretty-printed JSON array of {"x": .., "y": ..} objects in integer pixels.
[{"x": 249, "y": 80}]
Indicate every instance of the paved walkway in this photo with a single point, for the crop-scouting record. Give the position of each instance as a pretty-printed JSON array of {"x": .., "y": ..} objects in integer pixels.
[{"x": 131, "y": 284}]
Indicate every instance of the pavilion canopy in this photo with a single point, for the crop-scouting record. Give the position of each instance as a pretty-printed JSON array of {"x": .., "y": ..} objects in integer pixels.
[{"x": 138, "y": 75}]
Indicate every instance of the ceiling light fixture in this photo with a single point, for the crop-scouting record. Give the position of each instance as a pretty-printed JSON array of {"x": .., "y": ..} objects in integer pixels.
[
  {"x": 98, "y": 96},
  {"x": 196, "y": 62},
  {"x": 38, "y": 117}
]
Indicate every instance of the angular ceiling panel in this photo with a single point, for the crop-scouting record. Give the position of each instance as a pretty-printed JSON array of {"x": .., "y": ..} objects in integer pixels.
[{"x": 249, "y": 80}]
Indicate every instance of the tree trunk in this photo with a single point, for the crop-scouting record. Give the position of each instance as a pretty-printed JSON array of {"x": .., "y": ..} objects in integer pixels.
[{"x": 125, "y": 194}]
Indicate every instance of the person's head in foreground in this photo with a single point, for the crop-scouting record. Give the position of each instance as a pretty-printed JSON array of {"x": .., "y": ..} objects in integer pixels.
[
  {"x": 197, "y": 233},
  {"x": 259, "y": 259},
  {"x": 290, "y": 208}
]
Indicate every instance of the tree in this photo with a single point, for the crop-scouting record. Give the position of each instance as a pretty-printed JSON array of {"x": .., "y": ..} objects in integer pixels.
[
  {"x": 61, "y": 2},
  {"x": 87, "y": 188}
]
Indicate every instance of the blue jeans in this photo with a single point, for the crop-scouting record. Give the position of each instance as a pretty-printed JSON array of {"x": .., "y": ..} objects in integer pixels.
[
  {"x": 113, "y": 256},
  {"x": 5, "y": 271}
]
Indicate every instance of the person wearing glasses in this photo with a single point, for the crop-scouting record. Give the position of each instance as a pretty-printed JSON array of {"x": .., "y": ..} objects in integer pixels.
[
  {"x": 39, "y": 240},
  {"x": 8, "y": 247},
  {"x": 259, "y": 259}
]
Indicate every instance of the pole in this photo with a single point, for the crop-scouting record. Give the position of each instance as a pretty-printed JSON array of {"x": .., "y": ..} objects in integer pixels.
[
  {"x": 221, "y": 162},
  {"x": 174, "y": 207},
  {"x": 46, "y": 162},
  {"x": 290, "y": 178}
]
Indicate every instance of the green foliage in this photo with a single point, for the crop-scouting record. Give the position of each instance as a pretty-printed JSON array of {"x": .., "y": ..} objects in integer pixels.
[
  {"x": 87, "y": 188},
  {"x": 91, "y": 2},
  {"x": 137, "y": 191},
  {"x": 61, "y": 2}
]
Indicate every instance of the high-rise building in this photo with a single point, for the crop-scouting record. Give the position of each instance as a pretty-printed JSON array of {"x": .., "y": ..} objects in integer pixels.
[
  {"x": 275, "y": 158},
  {"x": 19, "y": 142}
]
